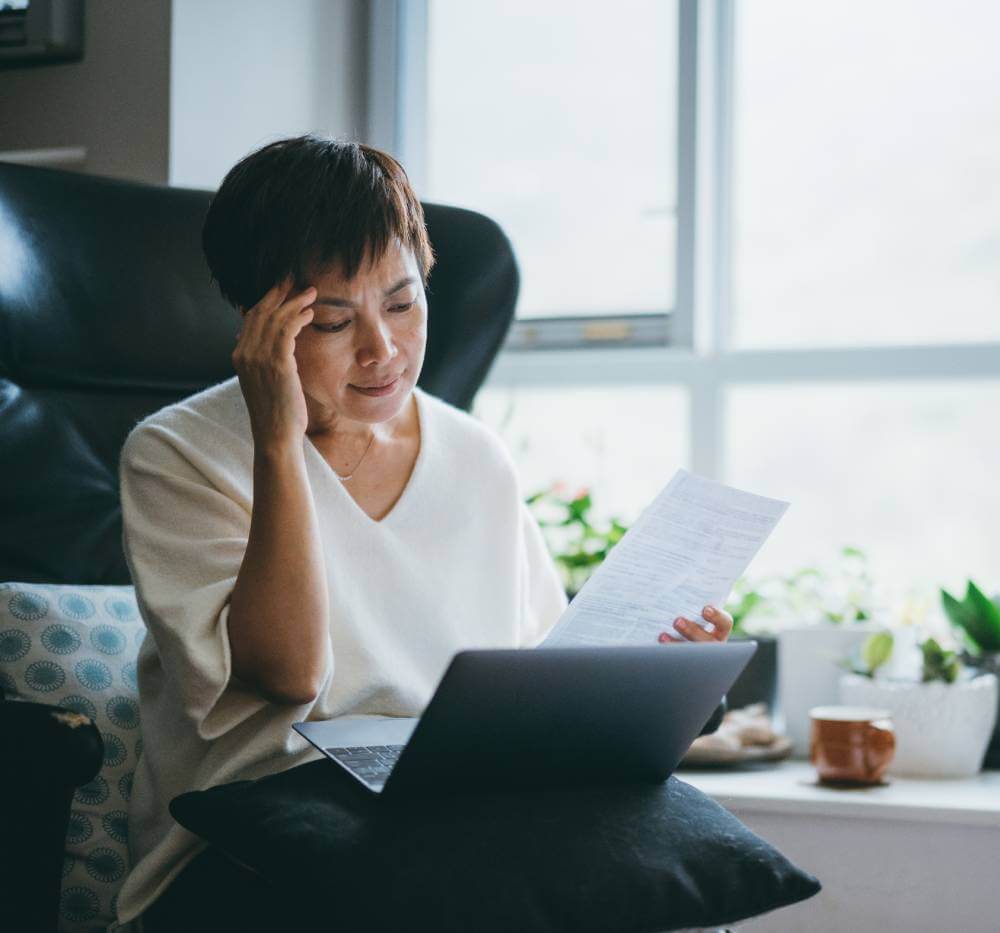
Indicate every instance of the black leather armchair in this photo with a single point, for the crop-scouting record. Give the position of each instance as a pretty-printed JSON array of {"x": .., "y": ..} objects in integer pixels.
[{"x": 107, "y": 314}]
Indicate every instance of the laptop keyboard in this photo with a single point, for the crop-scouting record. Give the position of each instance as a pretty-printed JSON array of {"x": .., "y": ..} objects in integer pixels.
[{"x": 373, "y": 763}]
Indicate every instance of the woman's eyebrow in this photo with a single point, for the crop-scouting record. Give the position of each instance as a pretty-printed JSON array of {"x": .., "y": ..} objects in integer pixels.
[
  {"x": 336, "y": 302},
  {"x": 402, "y": 283}
]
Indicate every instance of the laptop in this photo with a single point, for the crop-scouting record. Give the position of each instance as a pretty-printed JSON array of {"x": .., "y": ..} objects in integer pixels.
[{"x": 503, "y": 719}]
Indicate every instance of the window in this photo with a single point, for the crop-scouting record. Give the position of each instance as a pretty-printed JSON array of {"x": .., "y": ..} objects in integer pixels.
[
  {"x": 833, "y": 189},
  {"x": 907, "y": 472},
  {"x": 559, "y": 121},
  {"x": 867, "y": 173},
  {"x": 562, "y": 122}
]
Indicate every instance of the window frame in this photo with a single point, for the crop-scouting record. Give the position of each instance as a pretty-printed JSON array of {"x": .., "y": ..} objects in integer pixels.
[{"x": 694, "y": 349}]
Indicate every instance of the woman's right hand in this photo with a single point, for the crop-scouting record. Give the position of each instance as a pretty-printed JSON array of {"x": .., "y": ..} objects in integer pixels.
[{"x": 264, "y": 360}]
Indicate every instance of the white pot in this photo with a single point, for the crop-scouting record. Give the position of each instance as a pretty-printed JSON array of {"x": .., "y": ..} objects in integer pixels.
[
  {"x": 942, "y": 730},
  {"x": 809, "y": 672}
]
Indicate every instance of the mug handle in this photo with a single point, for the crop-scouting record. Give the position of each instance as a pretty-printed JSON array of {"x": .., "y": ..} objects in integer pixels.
[{"x": 880, "y": 744}]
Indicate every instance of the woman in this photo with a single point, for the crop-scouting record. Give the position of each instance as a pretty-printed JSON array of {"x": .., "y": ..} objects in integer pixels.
[{"x": 315, "y": 537}]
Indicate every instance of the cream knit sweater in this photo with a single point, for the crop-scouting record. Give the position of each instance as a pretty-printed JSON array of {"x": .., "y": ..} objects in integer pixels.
[{"x": 458, "y": 563}]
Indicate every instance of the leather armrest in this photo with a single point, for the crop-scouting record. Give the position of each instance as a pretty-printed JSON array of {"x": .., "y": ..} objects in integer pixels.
[
  {"x": 45, "y": 752},
  {"x": 48, "y": 744}
]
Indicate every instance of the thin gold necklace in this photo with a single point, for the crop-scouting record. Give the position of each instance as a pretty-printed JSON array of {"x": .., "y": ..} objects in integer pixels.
[{"x": 344, "y": 479}]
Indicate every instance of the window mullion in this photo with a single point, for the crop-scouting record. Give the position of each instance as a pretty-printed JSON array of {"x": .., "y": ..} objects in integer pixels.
[
  {"x": 706, "y": 59},
  {"x": 706, "y": 417},
  {"x": 397, "y": 83},
  {"x": 722, "y": 174},
  {"x": 689, "y": 22}
]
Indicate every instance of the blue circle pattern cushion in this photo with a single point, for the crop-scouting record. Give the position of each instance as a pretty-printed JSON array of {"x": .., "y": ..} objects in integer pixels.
[{"x": 76, "y": 647}]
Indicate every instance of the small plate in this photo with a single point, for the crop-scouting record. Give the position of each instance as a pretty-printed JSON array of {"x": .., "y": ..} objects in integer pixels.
[{"x": 698, "y": 757}]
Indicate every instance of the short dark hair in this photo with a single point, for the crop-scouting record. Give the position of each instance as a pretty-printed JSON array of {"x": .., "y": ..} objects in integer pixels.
[{"x": 302, "y": 205}]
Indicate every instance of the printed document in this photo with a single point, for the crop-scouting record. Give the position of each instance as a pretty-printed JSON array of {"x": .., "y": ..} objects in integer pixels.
[{"x": 688, "y": 548}]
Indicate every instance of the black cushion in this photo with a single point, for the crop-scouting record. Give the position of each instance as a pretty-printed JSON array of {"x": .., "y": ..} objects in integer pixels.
[{"x": 630, "y": 858}]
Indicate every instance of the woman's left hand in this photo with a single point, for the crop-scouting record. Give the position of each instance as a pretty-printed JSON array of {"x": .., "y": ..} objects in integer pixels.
[{"x": 722, "y": 625}]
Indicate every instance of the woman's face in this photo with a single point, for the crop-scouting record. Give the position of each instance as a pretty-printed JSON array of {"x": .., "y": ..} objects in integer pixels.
[{"x": 367, "y": 332}]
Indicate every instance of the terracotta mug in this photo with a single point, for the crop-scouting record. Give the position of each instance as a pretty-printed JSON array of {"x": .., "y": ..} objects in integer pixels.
[{"x": 851, "y": 744}]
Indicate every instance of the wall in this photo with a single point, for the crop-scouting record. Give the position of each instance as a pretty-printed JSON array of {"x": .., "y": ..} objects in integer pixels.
[
  {"x": 921, "y": 875},
  {"x": 114, "y": 103},
  {"x": 176, "y": 92}
]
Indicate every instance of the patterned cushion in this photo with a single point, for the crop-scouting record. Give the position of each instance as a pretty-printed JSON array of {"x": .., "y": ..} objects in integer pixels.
[{"x": 76, "y": 646}]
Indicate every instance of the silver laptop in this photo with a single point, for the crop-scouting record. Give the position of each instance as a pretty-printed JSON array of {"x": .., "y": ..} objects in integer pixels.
[{"x": 523, "y": 718}]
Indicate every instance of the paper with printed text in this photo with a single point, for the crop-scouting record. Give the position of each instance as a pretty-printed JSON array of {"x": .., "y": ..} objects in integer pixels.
[{"x": 688, "y": 548}]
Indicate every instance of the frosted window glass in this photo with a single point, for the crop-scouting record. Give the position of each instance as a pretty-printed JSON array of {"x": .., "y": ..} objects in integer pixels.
[
  {"x": 558, "y": 119},
  {"x": 867, "y": 172},
  {"x": 906, "y": 472},
  {"x": 621, "y": 443}
]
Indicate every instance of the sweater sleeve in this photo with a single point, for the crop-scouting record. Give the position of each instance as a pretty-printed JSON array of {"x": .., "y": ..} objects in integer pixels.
[
  {"x": 184, "y": 541},
  {"x": 543, "y": 597}
]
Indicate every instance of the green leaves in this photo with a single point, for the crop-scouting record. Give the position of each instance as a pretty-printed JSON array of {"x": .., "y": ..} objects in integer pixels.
[
  {"x": 840, "y": 592},
  {"x": 875, "y": 651},
  {"x": 938, "y": 663},
  {"x": 744, "y": 604},
  {"x": 977, "y": 615},
  {"x": 578, "y": 509},
  {"x": 576, "y": 542}
]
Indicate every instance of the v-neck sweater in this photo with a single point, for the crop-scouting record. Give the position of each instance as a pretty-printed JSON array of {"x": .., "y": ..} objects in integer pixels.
[{"x": 459, "y": 562}]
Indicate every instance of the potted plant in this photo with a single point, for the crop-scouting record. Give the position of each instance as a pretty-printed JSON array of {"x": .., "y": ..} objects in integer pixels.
[
  {"x": 819, "y": 615},
  {"x": 578, "y": 542},
  {"x": 943, "y": 719},
  {"x": 977, "y": 617}
]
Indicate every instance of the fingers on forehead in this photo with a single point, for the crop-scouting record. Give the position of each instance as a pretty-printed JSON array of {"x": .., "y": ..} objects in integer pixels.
[
  {"x": 277, "y": 294},
  {"x": 281, "y": 288}
]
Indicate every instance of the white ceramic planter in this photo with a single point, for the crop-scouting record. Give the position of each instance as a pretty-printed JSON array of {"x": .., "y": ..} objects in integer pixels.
[
  {"x": 942, "y": 730},
  {"x": 809, "y": 672}
]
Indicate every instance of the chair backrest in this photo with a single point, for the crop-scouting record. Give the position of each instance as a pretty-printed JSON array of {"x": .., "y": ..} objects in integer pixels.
[{"x": 107, "y": 313}]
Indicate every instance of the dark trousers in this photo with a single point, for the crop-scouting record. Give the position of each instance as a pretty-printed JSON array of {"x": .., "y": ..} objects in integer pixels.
[{"x": 214, "y": 894}]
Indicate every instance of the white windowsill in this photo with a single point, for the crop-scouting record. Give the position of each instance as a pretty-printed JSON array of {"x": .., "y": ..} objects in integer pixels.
[{"x": 790, "y": 787}]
